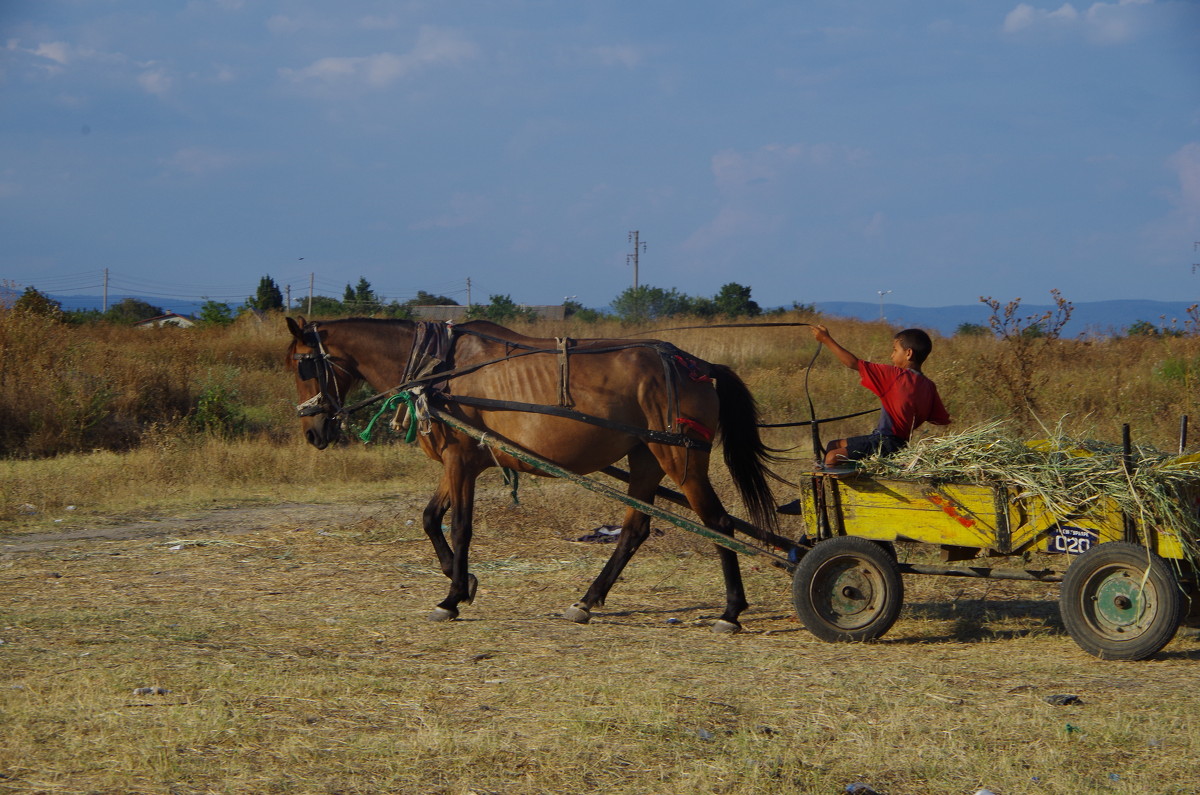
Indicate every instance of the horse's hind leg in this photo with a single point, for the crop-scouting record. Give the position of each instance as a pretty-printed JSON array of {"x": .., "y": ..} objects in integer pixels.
[
  {"x": 431, "y": 521},
  {"x": 456, "y": 493},
  {"x": 644, "y": 477},
  {"x": 690, "y": 471}
]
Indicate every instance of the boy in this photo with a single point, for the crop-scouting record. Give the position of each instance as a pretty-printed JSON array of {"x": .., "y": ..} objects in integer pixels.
[{"x": 909, "y": 399}]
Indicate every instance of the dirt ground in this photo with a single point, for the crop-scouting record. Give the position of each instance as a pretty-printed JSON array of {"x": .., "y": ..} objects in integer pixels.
[{"x": 292, "y": 646}]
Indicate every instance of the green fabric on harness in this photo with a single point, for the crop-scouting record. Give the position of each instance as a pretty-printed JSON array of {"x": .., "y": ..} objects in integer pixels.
[{"x": 390, "y": 405}]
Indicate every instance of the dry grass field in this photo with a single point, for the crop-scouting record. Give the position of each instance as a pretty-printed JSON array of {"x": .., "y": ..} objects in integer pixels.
[
  {"x": 293, "y": 655},
  {"x": 217, "y": 608}
]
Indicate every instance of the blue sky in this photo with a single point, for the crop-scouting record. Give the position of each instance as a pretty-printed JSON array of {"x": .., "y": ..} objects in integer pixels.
[{"x": 815, "y": 151}]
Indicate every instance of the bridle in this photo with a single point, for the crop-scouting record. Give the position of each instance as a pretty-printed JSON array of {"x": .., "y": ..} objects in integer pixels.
[{"x": 318, "y": 364}]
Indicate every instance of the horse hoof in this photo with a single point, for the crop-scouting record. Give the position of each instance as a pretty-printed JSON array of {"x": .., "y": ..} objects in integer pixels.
[
  {"x": 577, "y": 613},
  {"x": 723, "y": 627},
  {"x": 442, "y": 614}
]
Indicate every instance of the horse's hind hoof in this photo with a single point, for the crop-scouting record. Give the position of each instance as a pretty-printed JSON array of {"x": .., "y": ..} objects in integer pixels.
[
  {"x": 723, "y": 627},
  {"x": 577, "y": 613},
  {"x": 442, "y": 614}
]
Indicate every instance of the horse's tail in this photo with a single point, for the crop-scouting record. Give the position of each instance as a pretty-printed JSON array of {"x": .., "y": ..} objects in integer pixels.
[{"x": 745, "y": 454}]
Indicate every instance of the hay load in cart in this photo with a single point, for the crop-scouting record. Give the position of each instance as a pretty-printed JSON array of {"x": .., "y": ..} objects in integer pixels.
[{"x": 478, "y": 396}]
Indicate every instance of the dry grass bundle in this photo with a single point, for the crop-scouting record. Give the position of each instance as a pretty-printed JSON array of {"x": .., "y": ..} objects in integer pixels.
[{"x": 1071, "y": 477}]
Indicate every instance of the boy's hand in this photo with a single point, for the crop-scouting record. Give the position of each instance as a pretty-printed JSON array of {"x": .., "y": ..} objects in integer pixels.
[{"x": 823, "y": 336}]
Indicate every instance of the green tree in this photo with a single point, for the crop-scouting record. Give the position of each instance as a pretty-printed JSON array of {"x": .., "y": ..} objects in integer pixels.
[
  {"x": 324, "y": 306},
  {"x": 1142, "y": 328},
  {"x": 500, "y": 309},
  {"x": 132, "y": 310},
  {"x": 361, "y": 299},
  {"x": 733, "y": 300},
  {"x": 35, "y": 303},
  {"x": 970, "y": 330},
  {"x": 650, "y": 303},
  {"x": 267, "y": 297},
  {"x": 215, "y": 313},
  {"x": 429, "y": 299}
]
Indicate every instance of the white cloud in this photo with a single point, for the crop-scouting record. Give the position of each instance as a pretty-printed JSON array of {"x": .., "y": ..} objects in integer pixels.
[
  {"x": 434, "y": 46},
  {"x": 875, "y": 226},
  {"x": 752, "y": 183},
  {"x": 282, "y": 24},
  {"x": 1167, "y": 235},
  {"x": 1102, "y": 23},
  {"x": 155, "y": 81},
  {"x": 57, "y": 51},
  {"x": 1186, "y": 165},
  {"x": 731, "y": 222}
]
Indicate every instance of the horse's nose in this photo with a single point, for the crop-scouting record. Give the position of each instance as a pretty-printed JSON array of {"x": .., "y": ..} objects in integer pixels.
[{"x": 315, "y": 439}]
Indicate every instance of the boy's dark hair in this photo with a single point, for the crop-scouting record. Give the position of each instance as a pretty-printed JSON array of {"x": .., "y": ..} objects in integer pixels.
[{"x": 917, "y": 341}]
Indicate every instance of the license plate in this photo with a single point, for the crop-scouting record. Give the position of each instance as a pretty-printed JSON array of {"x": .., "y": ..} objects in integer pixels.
[{"x": 1071, "y": 540}]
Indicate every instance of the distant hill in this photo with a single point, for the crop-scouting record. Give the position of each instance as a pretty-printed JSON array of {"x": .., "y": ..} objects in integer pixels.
[
  {"x": 1097, "y": 317},
  {"x": 77, "y": 303}
]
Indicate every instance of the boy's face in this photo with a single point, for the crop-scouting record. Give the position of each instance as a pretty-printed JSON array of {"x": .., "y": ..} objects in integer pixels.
[{"x": 901, "y": 356}]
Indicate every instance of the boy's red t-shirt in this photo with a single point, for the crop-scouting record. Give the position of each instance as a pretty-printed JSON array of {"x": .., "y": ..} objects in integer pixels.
[{"x": 909, "y": 398}]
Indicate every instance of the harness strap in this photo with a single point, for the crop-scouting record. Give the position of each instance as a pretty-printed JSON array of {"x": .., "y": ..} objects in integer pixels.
[
  {"x": 564, "y": 372},
  {"x": 706, "y": 433},
  {"x": 646, "y": 434}
]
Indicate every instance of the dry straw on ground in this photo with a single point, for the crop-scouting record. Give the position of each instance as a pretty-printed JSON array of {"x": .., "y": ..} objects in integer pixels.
[{"x": 297, "y": 659}]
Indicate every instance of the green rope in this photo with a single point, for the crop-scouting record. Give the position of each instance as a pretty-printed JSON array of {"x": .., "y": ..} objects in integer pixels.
[{"x": 390, "y": 405}]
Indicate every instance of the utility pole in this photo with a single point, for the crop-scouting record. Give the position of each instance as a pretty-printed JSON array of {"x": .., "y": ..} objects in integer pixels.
[
  {"x": 882, "y": 293},
  {"x": 288, "y": 305},
  {"x": 468, "y": 292},
  {"x": 633, "y": 258},
  {"x": 311, "y": 279},
  {"x": 105, "y": 290}
]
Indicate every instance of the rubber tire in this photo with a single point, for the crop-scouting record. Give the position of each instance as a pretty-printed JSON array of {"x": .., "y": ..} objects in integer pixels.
[
  {"x": 1091, "y": 597},
  {"x": 847, "y": 589}
]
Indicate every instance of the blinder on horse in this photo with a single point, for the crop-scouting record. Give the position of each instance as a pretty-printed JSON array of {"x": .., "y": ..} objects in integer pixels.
[
  {"x": 307, "y": 367},
  {"x": 316, "y": 364}
]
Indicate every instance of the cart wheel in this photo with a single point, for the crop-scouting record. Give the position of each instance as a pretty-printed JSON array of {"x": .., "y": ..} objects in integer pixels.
[
  {"x": 1119, "y": 601},
  {"x": 847, "y": 589}
]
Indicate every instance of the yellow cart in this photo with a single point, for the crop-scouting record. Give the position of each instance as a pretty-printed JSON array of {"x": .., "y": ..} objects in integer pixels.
[{"x": 1123, "y": 595}]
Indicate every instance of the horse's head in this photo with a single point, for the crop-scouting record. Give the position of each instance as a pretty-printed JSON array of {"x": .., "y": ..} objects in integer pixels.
[{"x": 322, "y": 382}]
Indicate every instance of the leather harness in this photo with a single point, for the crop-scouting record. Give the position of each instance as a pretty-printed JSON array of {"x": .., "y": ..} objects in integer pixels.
[{"x": 430, "y": 369}]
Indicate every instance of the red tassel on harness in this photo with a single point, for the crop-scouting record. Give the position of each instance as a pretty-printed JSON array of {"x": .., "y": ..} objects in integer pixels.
[
  {"x": 703, "y": 431},
  {"x": 692, "y": 368}
]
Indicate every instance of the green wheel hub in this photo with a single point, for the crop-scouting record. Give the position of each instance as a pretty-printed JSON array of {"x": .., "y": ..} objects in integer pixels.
[
  {"x": 851, "y": 589},
  {"x": 1120, "y": 602}
]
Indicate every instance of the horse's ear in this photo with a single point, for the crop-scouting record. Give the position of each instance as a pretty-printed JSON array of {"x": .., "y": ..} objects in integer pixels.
[{"x": 296, "y": 326}]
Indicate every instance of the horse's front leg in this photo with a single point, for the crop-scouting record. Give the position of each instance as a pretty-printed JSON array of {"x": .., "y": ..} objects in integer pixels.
[
  {"x": 644, "y": 477},
  {"x": 458, "y": 486}
]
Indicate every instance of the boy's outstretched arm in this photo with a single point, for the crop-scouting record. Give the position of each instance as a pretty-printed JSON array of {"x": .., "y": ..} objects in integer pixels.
[{"x": 844, "y": 356}]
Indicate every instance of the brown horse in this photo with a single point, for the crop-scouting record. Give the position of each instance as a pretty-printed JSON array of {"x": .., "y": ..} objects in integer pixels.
[{"x": 642, "y": 400}]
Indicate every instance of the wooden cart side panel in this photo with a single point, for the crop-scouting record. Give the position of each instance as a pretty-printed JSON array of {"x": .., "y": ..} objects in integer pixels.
[
  {"x": 889, "y": 510},
  {"x": 967, "y": 515}
]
